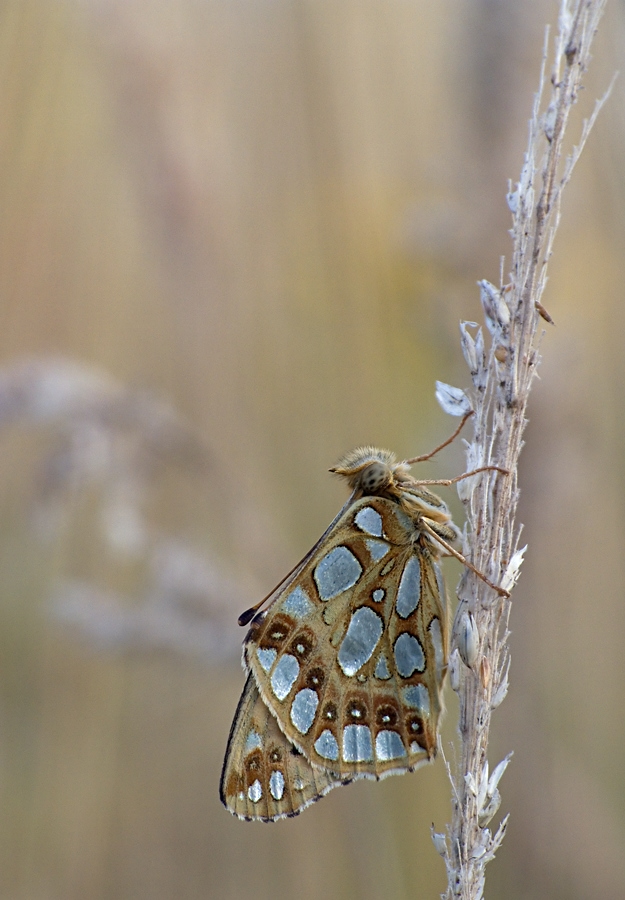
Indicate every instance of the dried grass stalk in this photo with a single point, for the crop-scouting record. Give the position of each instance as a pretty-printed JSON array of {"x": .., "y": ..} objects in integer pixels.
[{"x": 502, "y": 375}]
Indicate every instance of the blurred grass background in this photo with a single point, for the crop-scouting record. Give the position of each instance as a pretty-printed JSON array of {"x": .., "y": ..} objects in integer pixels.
[{"x": 269, "y": 217}]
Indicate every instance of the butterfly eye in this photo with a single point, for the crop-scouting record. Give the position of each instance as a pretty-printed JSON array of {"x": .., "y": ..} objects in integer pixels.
[{"x": 375, "y": 477}]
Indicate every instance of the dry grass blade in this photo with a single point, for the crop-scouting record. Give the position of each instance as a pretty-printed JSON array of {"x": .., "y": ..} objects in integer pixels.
[{"x": 502, "y": 376}]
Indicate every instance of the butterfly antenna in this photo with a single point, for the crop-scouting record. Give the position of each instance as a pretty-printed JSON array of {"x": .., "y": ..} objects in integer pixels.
[{"x": 246, "y": 617}]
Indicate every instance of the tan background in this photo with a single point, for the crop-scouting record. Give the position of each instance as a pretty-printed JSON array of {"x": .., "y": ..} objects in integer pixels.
[{"x": 270, "y": 215}]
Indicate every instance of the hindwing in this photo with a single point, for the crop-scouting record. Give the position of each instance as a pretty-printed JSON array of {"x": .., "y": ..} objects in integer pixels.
[
  {"x": 351, "y": 655},
  {"x": 264, "y": 776}
]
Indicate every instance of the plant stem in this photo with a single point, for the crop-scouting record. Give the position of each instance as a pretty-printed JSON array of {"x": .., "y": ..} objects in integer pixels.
[{"x": 502, "y": 375}]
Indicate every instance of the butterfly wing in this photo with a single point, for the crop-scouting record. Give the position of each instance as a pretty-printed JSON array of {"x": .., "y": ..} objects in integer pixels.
[
  {"x": 264, "y": 777},
  {"x": 351, "y": 655}
]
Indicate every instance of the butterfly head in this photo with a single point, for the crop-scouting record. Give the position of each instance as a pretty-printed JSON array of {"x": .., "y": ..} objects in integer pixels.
[{"x": 371, "y": 471}]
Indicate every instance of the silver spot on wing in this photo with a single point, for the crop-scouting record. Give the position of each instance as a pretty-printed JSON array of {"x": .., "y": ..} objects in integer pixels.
[
  {"x": 389, "y": 745},
  {"x": 409, "y": 655},
  {"x": 336, "y": 572},
  {"x": 253, "y": 742},
  {"x": 326, "y": 745},
  {"x": 357, "y": 745},
  {"x": 363, "y": 633},
  {"x": 369, "y": 520},
  {"x": 284, "y": 676},
  {"x": 409, "y": 590},
  {"x": 276, "y": 785},
  {"x": 266, "y": 657},
  {"x": 404, "y": 520},
  {"x": 303, "y": 709},
  {"x": 255, "y": 791},
  {"x": 297, "y": 604},
  {"x": 377, "y": 550},
  {"x": 378, "y": 595},
  {"x": 381, "y": 668},
  {"x": 416, "y": 697}
]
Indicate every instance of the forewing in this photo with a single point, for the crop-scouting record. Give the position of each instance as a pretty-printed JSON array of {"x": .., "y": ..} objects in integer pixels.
[
  {"x": 264, "y": 777},
  {"x": 351, "y": 655}
]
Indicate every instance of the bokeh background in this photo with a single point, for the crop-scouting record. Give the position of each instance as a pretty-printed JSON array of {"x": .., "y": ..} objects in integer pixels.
[{"x": 236, "y": 240}]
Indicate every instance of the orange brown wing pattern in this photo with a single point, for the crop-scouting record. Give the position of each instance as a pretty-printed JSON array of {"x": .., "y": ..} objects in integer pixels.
[
  {"x": 350, "y": 657},
  {"x": 264, "y": 777}
]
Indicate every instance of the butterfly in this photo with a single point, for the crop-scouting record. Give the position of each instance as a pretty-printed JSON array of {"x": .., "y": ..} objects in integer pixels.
[{"x": 345, "y": 668}]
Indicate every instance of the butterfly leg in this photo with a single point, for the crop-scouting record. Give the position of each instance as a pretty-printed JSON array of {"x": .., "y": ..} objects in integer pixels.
[
  {"x": 447, "y": 482},
  {"x": 424, "y": 523},
  {"x": 416, "y": 459}
]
